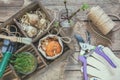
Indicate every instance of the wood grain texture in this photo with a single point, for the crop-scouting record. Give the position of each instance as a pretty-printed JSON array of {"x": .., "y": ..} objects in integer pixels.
[
  {"x": 77, "y": 2},
  {"x": 81, "y": 28},
  {"x": 7, "y": 12},
  {"x": 11, "y": 3},
  {"x": 9, "y": 8},
  {"x": 109, "y": 6},
  {"x": 73, "y": 67},
  {"x": 73, "y": 75}
]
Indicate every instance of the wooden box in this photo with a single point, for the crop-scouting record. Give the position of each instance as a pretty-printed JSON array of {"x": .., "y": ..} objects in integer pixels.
[{"x": 10, "y": 73}]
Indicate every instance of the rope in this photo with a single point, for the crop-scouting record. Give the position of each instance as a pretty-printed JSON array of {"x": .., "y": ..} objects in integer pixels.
[
  {"x": 118, "y": 19},
  {"x": 98, "y": 33},
  {"x": 101, "y": 20},
  {"x": 102, "y": 35},
  {"x": 64, "y": 39}
]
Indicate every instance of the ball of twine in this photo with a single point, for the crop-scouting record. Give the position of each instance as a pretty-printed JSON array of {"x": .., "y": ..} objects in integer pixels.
[{"x": 101, "y": 20}]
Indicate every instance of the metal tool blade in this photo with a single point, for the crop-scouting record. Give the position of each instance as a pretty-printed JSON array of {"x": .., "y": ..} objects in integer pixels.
[
  {"x": 88, "y": 37},
  {"x": 8, "y": 46},
  {"x": 79, "y": 38}
]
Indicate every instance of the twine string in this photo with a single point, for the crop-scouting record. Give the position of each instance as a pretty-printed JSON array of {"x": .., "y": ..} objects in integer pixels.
[
  {"x": 118, "y": 19},
  {"x": 7, "y": 29},
  {"x": 64, "y": 39},
  {"x": 101, "y": 20},
  {"x": 98, "y": 34}
]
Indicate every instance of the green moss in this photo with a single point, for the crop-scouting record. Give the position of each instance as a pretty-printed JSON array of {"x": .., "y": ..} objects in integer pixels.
[{"x": 24, "y": 62}]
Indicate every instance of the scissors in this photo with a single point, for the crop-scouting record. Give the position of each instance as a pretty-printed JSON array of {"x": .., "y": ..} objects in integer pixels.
[
  {"x": 8, "y": 47},
  {"x": 11, "y": 30},
  {"x": 7, "y": 50},
  {"x": 87, "y": 49}
]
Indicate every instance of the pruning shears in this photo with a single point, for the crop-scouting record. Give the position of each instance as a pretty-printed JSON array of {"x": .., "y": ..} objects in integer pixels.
[
  {"x": 7, "y": 50},
  {"x": 87, "y": 49}
]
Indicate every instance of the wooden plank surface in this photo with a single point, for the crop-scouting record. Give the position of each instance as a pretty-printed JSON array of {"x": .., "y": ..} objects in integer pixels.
[
  {"x": 7, "y": 12},
  {"x": 11, "y": 3},
  {"x": 73, "y": 75},
  {"x": 77, "y": 2},
  {"x": 7, "y": 9},
  {"x": 73, "y": 68},
  {"x": 110, "y": 6},
  {"x": 11, "y": 7}
]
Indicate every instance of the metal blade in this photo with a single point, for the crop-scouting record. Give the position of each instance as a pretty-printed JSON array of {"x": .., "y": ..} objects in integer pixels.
[
  {"x": 79, "y": 38},
  {"x": 8, "y": 46},
  {"x": 88, "y": 37}
]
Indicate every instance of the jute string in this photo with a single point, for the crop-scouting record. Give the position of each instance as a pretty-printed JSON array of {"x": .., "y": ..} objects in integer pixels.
[
  {"x": 102, "y": 22},
  {"x": 98, "y": 34},
  {"x": 57, "y": 30}
]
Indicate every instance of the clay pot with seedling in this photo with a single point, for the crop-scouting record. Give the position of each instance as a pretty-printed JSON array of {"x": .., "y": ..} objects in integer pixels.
[
  {"x": 67, "y": 18},
  {"x": 24, "y": 62}
]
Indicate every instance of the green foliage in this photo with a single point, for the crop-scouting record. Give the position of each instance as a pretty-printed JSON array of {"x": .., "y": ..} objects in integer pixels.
[
  {"x": 23, "y": 62},
  {"x": 85, "y": 7},
  {"x": 56, "y": 24}
]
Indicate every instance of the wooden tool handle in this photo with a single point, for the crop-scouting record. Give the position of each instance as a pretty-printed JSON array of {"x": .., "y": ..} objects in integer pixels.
[
  {"x": 17, "y": 39},
  {"x": 11, "y": 38}
]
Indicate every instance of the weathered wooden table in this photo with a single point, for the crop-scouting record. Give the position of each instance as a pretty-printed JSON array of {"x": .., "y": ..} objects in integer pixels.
[{"x": 72, "y": 72}]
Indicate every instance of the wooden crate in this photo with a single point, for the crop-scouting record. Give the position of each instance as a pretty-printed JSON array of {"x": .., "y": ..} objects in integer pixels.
[
  {"x": 32, "y": 7},
  {"x": 42, "y": 62}
]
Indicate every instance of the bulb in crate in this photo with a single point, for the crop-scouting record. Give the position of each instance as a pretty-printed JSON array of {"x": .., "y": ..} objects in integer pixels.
[{"x": 30, "y": 30}]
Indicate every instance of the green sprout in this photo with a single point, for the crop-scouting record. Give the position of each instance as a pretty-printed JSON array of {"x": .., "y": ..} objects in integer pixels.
[
  {"x": 56, "y": 24},
  {"x": 85, "y": 7}
]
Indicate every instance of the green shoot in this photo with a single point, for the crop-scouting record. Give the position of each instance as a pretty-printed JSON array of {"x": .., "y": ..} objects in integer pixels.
[
  {"x": 85, "y": 7},
  {"x": 56, "y": 24}
]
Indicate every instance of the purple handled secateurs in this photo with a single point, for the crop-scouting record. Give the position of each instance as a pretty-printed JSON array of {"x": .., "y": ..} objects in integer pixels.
[{"x": 86, "y": 50}]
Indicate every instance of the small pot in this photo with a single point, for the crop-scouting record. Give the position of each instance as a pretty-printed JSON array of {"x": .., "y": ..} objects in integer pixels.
[
  {"x": 35, "y": 64},
  {"x": 44, "y": 53},
  {"x": 65, "y": 23}
]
